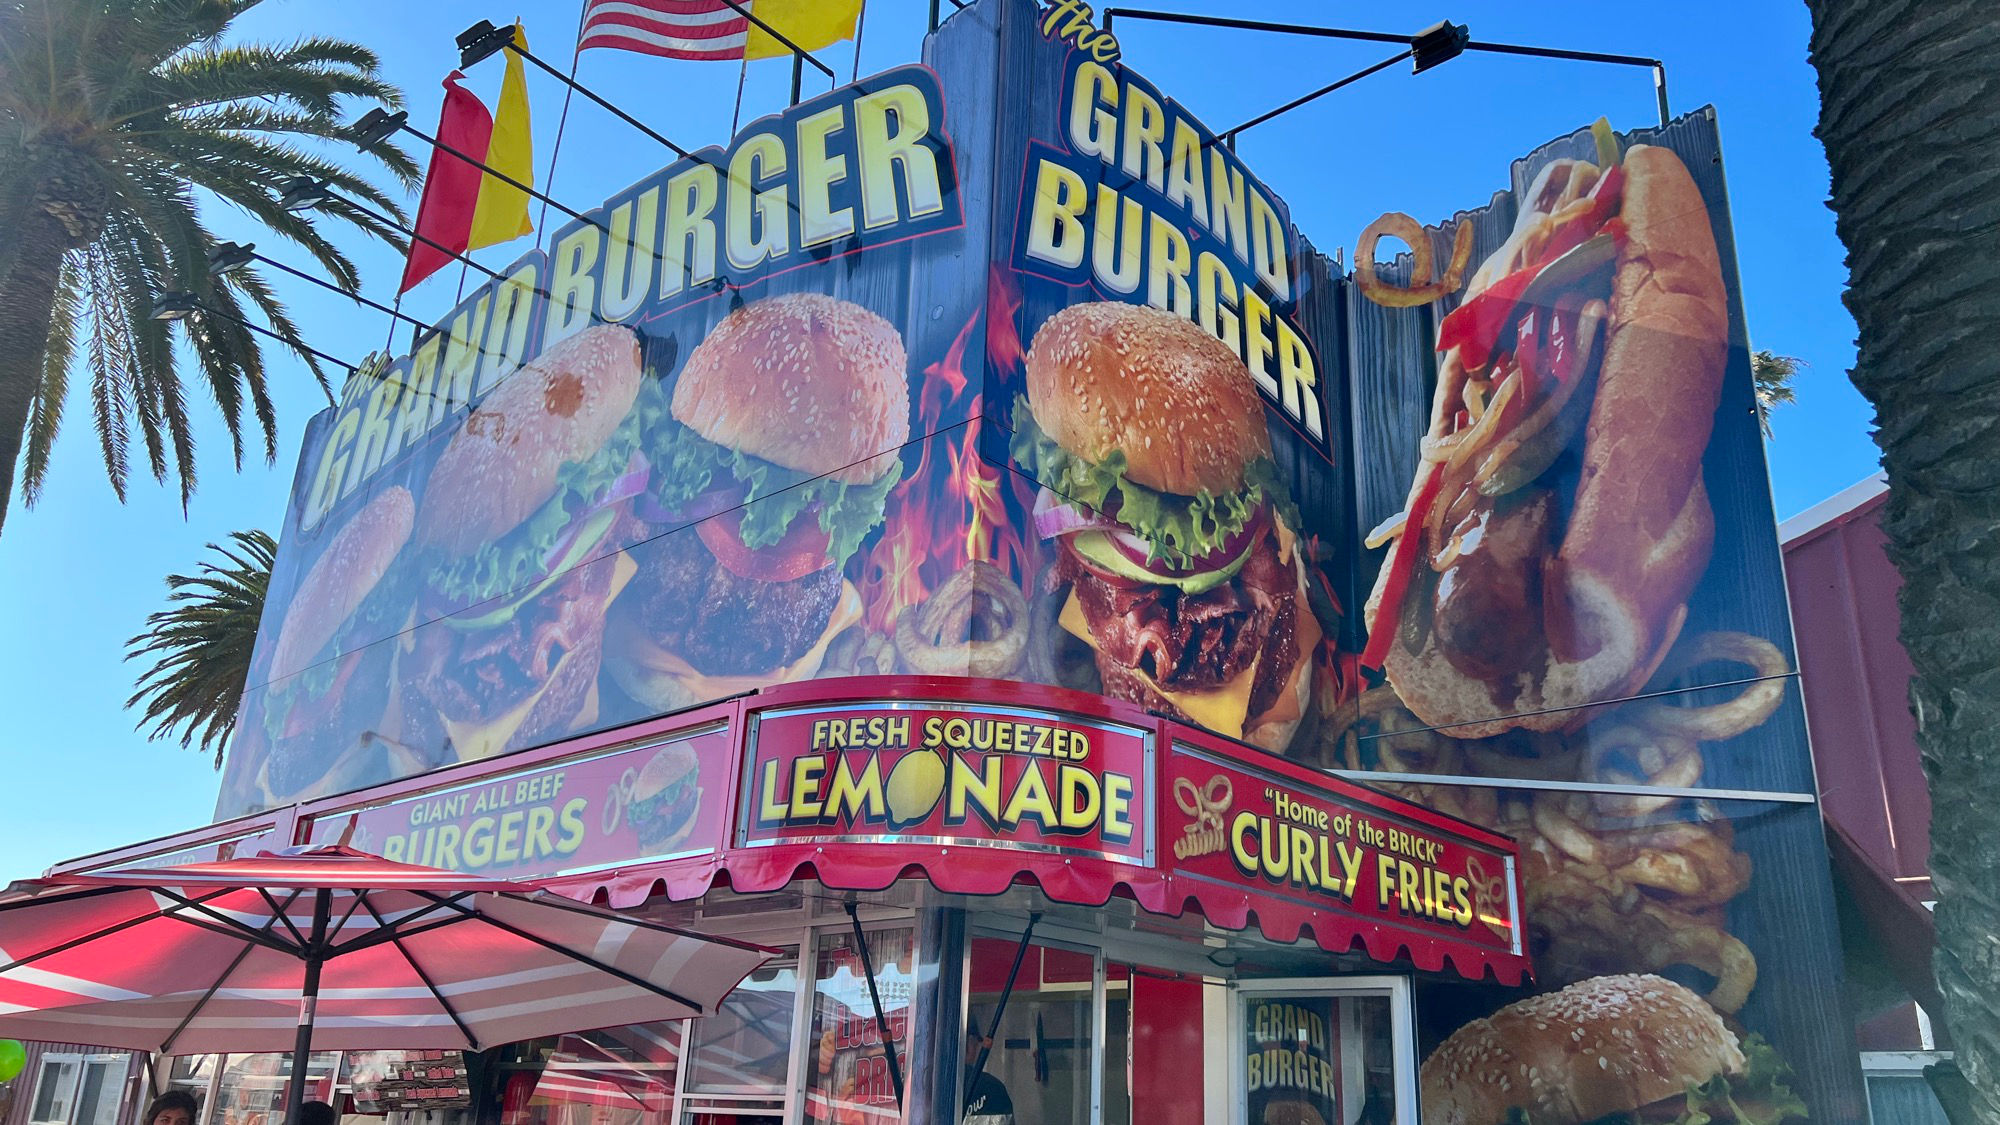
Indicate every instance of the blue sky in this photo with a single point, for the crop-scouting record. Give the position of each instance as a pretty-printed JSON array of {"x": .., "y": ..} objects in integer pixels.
[{"x": 83, "y": 571}]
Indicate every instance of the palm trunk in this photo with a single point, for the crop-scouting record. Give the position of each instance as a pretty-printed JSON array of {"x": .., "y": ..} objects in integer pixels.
[
  {"x": 27, "y": 299},
  {"x": 1908, "y": 97}
]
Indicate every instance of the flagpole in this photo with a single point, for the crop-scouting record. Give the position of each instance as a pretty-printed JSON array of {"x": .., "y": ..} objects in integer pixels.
[
  {"x": 562, "y": 122},
  {"x": 737, "y": 116},
  {"x": 860, "y": 26}
]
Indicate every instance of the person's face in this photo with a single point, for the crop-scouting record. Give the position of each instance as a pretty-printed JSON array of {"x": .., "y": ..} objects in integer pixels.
[{"x": 174, "y": 1115}]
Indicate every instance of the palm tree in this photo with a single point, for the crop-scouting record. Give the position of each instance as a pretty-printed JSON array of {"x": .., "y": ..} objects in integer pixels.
[
  {"x": 112, "y": 114},
  {"x": 201, "y": 644},
  {"x": 1771, "y": 376},
  {"x": 1908, "y": 97}
]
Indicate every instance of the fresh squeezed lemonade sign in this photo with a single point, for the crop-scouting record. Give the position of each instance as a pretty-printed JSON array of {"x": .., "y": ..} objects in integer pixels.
[{"x": 948, "y": 772}]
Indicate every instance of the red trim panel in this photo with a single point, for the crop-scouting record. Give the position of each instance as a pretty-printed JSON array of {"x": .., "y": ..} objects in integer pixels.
[{"x": 975, "y": 785}]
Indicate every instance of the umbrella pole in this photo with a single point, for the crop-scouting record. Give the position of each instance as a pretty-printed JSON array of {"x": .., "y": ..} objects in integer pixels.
[{"x": 295, "y": 1093}]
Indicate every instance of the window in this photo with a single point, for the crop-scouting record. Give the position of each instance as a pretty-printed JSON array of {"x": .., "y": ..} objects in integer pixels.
[
  {"x": 1040, "y": 1066},
  {"x": 746, "y": 1046},
  {"x": 79, "y": 1089},
  {"x": 1314, "y": 1051},
  {"x": 55, "y": 1090},
  {"x": 848, "y": 1077},
  {"x": 251, "y": 1090},
  {"x": 617, "y": 1076},
  {"x": 100, "y": 1092}
]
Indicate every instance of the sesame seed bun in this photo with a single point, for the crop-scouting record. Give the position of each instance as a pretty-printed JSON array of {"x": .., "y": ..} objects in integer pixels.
[
  {"x": 806, "y": 381},
  {"x": 1291, "y": 1111},
  {"x": 1107, "y": 376},
  {"x": 348, "y": 568},
  {"x": 506, "y": 461},
  {"x": 1602, "y": 1046}
]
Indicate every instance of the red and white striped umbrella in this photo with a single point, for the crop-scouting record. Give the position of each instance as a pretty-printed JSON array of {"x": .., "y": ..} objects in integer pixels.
[{"x": 331, "y": 949}]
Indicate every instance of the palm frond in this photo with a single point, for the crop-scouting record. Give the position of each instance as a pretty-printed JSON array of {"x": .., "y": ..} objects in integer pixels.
[
  {"x": 110, "y": 371},
  {"x": 200, "y": 645},
  {"x": 1771, "y": 378},
  {"x": 314, "y": 75},
  {"x": 132, "y": 112},
  {"x": 45, "y": 416},
  {"x": 252, "y": 284}
]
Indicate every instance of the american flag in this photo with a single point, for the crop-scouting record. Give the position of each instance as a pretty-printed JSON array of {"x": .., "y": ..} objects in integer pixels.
[{"x": 677, "y": 29}]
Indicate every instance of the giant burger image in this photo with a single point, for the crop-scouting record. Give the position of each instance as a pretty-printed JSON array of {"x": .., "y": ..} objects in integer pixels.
[
  {"x": 1617, "y": 1050},
  {"x": 770, "y": 465},
  {"x": 520, "y": 529},
  {"x": 333, "y": 662},
  {"x": 1149, "y": 440},
  {"x": 1559, "y": 520}
]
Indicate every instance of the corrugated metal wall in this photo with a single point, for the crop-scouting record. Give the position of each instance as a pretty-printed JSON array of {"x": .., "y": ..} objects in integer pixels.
[{"x": 133, "y": 1088}]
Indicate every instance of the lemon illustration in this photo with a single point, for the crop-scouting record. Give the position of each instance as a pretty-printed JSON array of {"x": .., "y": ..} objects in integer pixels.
[{"x": 914, "y": 788}]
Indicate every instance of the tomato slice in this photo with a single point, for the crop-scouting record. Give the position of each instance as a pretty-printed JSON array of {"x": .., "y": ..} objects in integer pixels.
[
  {"x": 799, "y": 553},
  {"x": 1402, "y": 563}
]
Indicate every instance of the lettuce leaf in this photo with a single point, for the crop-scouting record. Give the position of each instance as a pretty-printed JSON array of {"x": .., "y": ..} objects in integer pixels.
[
  {"x": 1178, "y": 529},
  {"x": 1761, "y": 1095},
  {"x": 685, "y": 465},
  {"x": 515, "y": 560}
]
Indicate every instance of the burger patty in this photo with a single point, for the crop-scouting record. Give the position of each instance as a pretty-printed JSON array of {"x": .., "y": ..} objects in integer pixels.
[
  {"x": 480, "y": 674},
  {"x": 723, "y": 623},
  {"x": 1195, "y": 642}
]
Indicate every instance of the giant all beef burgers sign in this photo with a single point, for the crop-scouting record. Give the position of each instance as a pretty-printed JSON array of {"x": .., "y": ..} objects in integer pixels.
[{"x": 1004, "y": 367}]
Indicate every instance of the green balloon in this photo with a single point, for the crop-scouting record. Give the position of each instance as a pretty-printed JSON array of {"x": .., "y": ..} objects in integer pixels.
[{"x": 13, "y": 1057}]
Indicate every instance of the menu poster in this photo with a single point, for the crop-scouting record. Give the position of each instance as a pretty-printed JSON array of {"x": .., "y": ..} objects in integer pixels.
[
  {"x": 849, "y": 1080},
  {"x": 1293, "y": 1046}
]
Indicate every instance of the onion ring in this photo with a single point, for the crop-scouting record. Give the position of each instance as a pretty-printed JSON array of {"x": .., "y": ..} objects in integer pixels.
[
  {"x": 1718, "y": 721},
  {"x": 1423, "y": 289},
  {"x": 1626, "y": 755},
  {"x": 938, "y": 638},
  {"x": 1543, "y": 757}
]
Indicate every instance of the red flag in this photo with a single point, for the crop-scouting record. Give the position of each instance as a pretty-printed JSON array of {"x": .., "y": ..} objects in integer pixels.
[{"x": 451, "y": 188}]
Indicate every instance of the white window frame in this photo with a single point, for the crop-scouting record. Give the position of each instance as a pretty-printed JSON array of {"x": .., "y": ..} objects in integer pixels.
[
  {"x": 81, "y": 1063},
  {"x": 1054, "y": 937},
  {"x": 1402, "y": 1031},
  {"x": 48, "y": 1060},
  {"x": 802, "y": 927}
]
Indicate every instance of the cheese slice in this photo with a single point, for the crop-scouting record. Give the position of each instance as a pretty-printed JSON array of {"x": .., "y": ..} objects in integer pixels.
[
  {"x": 477, "y": 739},
  {"x": 1221, "y": 709},
  {"x": 701, "y": 686}
]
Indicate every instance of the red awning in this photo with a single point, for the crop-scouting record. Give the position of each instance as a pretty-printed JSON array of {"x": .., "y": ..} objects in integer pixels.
[{"x": 1902, "y": 927}]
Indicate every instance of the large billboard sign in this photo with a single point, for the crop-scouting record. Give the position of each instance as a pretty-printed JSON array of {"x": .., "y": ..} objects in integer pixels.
[{"x": 1004, "y": 366}]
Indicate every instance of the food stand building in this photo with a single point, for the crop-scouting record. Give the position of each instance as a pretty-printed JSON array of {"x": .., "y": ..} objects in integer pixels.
[{"x": 930, "y": 535}]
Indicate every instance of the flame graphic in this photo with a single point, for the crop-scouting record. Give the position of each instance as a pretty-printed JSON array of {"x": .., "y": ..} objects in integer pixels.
[{"x": 954, "y": 509}]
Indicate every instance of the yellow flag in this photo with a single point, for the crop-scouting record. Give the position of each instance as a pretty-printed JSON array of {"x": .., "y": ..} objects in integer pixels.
[
  {"x": 811, "y": 24},
  {"x": 502, "y": 212}
]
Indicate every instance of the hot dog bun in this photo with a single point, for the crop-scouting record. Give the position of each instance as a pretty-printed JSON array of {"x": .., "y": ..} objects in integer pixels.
[
  {"x": 506, "y": 461},
  {"x": 1604, "y": 1046},
  {"x": 1641, "y": 529},
  {"x": 349, "y": 567},
  {"x": 1638, "y": 530}
]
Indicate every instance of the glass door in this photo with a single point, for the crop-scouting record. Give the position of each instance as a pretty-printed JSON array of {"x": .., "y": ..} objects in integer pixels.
[{"x": 1323, "y": 1052}]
